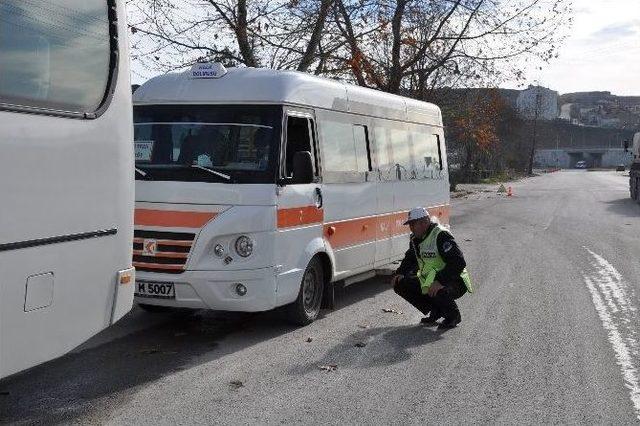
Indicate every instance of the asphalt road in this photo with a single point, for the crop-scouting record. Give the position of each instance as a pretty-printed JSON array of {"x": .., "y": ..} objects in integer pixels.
[{"x": 552, "y": 335}]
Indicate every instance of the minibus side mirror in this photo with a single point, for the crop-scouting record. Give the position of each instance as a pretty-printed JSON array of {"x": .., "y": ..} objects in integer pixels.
[{"x": 302, "y": 167}]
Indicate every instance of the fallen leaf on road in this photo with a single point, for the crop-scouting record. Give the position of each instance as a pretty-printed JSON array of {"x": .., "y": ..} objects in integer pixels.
[
  {"x": 330, "y": 367},
  {"x": 360, "y": 345},
  {"x": 309, "y": 339},
  {"x": 236, "y": 384},
  {"x": 391, "y": 311}
]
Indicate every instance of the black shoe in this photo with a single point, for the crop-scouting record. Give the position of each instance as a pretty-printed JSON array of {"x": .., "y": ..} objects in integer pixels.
[
  {"x": 430, "y": 320},
  {"x": 449, "y": 323}
]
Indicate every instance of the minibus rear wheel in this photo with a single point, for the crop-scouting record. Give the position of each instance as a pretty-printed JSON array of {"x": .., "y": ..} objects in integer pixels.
[{"x": 306, "y": 308}]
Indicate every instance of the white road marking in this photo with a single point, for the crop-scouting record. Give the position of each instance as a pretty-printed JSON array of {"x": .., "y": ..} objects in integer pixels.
[{"x": 613, "y": 298}]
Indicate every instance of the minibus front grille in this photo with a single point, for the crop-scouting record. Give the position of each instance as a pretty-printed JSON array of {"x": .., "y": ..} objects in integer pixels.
[{"x": 167, "y": 253}]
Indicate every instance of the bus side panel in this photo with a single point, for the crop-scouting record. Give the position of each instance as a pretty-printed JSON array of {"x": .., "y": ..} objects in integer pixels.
[
  {"x": 350, "y": 224},
  {"x": 430, "y": 193},
  {"x": 80, "y": 304},
  {"x": 63, "y": 177}
]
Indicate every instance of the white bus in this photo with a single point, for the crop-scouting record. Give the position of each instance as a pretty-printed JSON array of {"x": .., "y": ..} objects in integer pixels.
[
  {"x": 66, "y": 167},
  {"x": 258, "y": 188}
]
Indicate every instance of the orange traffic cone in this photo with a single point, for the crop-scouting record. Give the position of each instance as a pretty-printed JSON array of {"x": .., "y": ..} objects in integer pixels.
[{"x": 509, "y": 192}]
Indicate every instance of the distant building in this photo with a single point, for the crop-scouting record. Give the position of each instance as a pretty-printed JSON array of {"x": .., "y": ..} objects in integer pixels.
[
  {"x": 565, "y": 112},
  {"x": 537, "y": 102}
]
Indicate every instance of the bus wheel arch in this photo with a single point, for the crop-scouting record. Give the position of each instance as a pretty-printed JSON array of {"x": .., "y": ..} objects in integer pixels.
[{"x": 306, "y": 308}]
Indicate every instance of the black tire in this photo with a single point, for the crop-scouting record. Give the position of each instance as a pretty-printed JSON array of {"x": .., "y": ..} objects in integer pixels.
[
  {"x": 307, "y": 306},
  {"x": 155, "y": 309}
]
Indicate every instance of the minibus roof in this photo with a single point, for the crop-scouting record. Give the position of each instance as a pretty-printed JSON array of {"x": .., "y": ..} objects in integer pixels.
[{"x": 266, "y": 86}]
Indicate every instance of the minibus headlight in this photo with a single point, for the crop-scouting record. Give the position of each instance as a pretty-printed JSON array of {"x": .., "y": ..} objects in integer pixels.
[
  {"x": 244, "y": 246},
  {"x": 218, "y": 250}
]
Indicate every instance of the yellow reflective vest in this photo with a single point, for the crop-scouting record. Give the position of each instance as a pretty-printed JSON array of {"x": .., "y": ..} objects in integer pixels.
[{"x": 430, "y": 262}]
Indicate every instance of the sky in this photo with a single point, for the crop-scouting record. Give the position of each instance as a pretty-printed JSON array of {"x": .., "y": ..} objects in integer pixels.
[{"x": 602, "y": 51}]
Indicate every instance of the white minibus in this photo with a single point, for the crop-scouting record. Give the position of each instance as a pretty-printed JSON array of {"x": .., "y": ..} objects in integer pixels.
[
  {"x": 259, "y": 188},
  {"x": 66, "y": 168}
]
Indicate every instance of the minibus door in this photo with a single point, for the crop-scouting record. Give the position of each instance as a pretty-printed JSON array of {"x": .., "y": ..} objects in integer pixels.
[{"x": 300, "y": 209}]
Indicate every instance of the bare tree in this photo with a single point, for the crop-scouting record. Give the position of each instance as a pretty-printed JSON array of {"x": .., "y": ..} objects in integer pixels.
[
  {"x": 413, "y": 46},
  {"x": 170, "y": 34},
  {"x": 399, "y": 46}
]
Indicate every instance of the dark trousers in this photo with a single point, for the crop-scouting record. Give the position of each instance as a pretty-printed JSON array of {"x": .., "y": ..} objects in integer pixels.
[{"x": 443, "y": 304}]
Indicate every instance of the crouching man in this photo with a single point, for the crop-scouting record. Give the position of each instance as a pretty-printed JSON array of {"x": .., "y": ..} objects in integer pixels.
[{"x": 432, "y": 274}]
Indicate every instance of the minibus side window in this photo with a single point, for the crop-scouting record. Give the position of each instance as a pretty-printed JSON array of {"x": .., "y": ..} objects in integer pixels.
[
  {"x": 401, "y": 152},
  {"x": 428, "y": 154},
  {"x": 299, "y": 131},
  {"x": 384, "y": 152},
  {"x": 363, "y": 149}
]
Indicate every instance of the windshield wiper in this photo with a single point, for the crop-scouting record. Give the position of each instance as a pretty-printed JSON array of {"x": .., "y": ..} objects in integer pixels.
[
  {"x": 141, "y": 172},
  {"x": 222, "y": 175}
]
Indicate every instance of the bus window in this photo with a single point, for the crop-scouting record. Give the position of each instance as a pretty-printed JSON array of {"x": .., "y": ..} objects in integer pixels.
[
  {"x": 54, "y": 55},
  {"x": 338, "y": 147},
  {"x": 384, "y": 153},
  {"x": 428, "y": 157},
  {"x": 401, "y": 153},
  {"x": 363, "y": 153},
  {"x": 299, "y": 131}
]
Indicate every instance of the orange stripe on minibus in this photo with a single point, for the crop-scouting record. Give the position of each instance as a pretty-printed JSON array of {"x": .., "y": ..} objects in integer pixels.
[
  {"x": 167, "y": 254},
  {"x": 397, "y": 219},
  {"x": 299, "y": 216},
  {"x": 358, "y": 230},
  {"x": 351, "y": 232},
  {"x": 172, "y": 219},
  {"x": 362, "y": 230},
  {"x": 167, "y": 267}
]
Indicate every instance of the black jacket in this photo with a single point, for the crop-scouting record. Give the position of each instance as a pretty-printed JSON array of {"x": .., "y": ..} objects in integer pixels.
[{"x": 449, "y": 251}]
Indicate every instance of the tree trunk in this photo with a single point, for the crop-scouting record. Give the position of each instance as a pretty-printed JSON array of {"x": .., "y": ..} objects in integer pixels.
[
  {"x": 246, "y": 49},
  {"x": 310, "y": 53}
]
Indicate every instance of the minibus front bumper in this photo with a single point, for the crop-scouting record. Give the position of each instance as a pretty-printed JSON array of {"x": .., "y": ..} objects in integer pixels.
[{"x": 247, "y": 290}]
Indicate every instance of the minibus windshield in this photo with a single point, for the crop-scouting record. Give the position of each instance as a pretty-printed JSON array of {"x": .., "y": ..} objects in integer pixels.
[{"x": 207, "y": 143}]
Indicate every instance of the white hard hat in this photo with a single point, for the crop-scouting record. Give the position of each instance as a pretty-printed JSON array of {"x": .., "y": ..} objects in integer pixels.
[{"x": 417, "y": 214}]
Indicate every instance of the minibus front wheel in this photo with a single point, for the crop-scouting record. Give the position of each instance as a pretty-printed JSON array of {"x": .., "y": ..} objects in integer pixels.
[{"x": 306, "y": 308}]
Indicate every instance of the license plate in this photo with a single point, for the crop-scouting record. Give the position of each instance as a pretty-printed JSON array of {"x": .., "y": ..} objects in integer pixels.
[{"x": 155, "y": 289}]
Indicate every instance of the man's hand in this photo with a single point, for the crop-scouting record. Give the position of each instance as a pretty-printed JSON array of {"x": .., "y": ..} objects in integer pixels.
[
  {"x": 435, "y": 288},
  {"x": 396, "y": 279}
]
